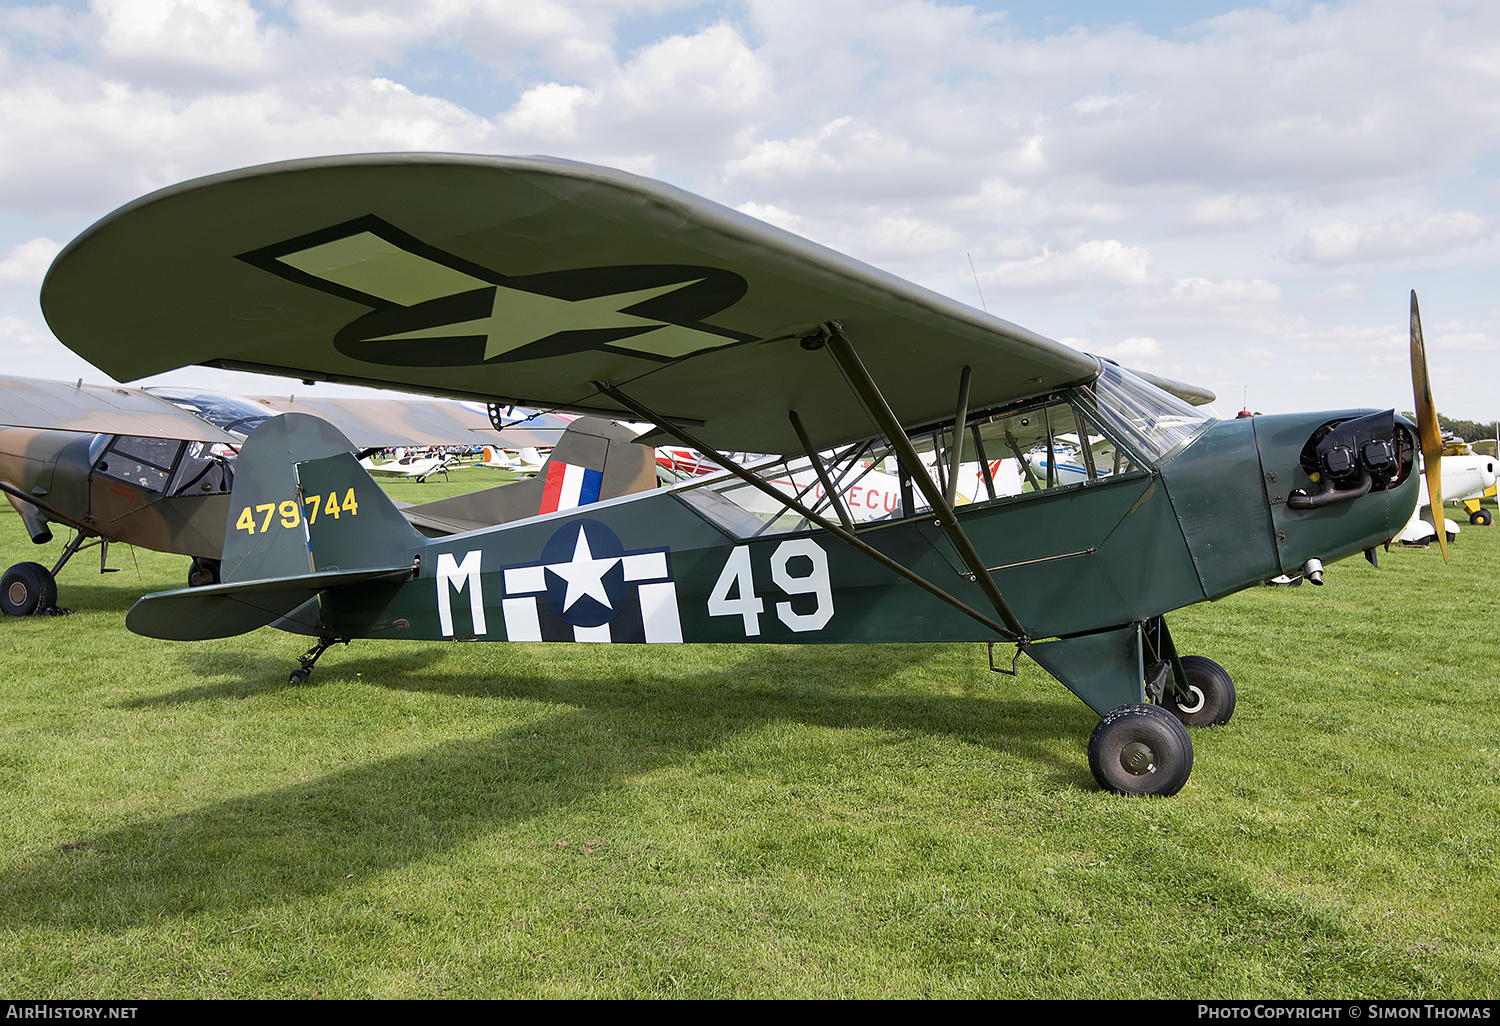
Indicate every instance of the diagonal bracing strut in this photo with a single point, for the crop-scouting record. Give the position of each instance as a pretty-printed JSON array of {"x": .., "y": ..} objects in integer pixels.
[
  {"x": 869, "y": 393},
  {"x": 1010, "y": 632}
]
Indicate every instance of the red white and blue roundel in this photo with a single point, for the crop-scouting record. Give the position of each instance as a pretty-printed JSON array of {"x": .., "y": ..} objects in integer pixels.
[{"x": 586, "y": 587}]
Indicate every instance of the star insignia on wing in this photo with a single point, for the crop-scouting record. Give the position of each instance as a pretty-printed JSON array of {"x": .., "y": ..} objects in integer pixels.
[{"x": 431, "y": 308}]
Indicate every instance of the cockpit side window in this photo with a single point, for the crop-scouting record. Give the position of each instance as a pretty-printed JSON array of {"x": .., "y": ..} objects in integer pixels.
[
  {"x": 145, "y": 462},
  {"x": 1042, "y": 447}
]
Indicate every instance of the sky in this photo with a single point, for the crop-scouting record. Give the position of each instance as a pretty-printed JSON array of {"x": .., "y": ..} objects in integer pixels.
[{"x": 1240, "y": 196}]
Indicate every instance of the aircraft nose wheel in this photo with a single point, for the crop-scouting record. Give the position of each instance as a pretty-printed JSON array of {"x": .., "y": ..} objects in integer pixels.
[
  {"x": 1141, "y": 750},
  {"x": 27, "y": 588}
]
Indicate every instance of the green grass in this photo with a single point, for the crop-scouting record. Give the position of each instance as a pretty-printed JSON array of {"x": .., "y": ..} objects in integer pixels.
[{"x": 471, "y": 820}]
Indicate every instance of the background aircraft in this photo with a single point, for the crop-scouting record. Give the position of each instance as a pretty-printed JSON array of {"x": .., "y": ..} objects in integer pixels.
[
  {"x": 586, "y": 289},
  {"x": 1468, "y": 477},
  {"x": 408, "y": 465},
  {"x": 154, "y": 468}
]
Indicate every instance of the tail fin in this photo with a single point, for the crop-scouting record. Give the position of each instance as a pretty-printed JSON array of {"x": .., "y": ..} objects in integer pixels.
[
  {"x": 304, "y": 517},
  {"x": 301, "y": 503},
  {"x": 594, "y": 460}
]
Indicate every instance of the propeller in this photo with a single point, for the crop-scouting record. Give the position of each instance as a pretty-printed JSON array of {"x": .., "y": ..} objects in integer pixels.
[{"x": 1428, "y": 430}]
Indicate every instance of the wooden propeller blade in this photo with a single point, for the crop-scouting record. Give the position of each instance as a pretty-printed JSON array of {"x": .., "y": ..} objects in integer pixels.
[{"x": 1428, "y": 429}]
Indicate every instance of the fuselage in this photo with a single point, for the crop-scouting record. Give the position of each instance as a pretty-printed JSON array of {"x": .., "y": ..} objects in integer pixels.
[{"x": 1209, "y": 517}]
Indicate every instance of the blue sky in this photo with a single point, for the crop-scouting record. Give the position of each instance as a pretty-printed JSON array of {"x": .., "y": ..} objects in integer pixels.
[{"x": 1237, "y": 195}]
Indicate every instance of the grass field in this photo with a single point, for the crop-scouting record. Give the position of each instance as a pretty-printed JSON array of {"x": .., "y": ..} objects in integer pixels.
[{"x": 471, "y": 820}]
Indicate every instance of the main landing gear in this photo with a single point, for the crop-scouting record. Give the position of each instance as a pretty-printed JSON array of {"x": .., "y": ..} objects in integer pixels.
[
  {"x": 1147, "y": 696},
  {"x": 1143, "y": 748},
  {"x": 30, "y": 589}
]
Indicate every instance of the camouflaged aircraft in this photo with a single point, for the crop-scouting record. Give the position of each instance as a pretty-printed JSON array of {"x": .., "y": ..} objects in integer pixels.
[
  {"x": 111, "y": 464},
  {"x": 564, "y": 286},
  {"x": 153, "y": 468}
]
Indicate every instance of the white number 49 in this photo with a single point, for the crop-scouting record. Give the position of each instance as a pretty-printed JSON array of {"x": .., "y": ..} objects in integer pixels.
[{"x": 737, "y": 578}]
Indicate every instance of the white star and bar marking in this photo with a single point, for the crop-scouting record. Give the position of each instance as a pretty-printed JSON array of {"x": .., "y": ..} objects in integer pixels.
[{"x": 377, "y": 267}]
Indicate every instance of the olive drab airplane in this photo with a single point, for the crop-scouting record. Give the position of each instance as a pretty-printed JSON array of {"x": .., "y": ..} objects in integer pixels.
[
  {"x": 110, "y": 464},
  {"x": 153, "y": 468},
  {"x": 563, "y": 286}
]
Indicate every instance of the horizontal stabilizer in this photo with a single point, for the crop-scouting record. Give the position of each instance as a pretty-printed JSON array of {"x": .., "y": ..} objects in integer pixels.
[{"x": 224, "y": 610}]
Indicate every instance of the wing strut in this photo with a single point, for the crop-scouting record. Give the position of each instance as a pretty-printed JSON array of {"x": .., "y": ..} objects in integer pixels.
[
  {"x": 955, "y": 458},
  {"x": 828, "y": 488},
  {"x": 1012, "y": 632},
  {"x": 869, "y": 393}
]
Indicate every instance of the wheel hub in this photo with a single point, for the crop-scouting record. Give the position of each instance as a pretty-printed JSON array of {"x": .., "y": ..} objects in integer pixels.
[
  {"x": 18, "y": 593},
  {"x": 1138, "y": 759},
  {"x": 1196, "y": 705}
]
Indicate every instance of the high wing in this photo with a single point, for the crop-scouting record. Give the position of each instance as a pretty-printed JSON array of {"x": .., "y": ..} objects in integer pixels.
[
  {"x": 539, "y": 281},
  {"x": 391, "y": 422},
  {"x": 98, "y": 409}
]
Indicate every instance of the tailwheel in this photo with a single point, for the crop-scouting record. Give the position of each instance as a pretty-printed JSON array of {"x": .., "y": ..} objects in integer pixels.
[
  {"x": 27, "y": 588},
  {"x": 1210, "y": 690},
  {"x": 204, "y": 571},
  {"x": 308, "y": 659},
  {"x": 1141, "y": 749}
]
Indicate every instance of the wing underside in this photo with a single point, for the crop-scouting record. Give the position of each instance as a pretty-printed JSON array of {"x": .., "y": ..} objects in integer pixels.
[{"x": 528, "y": 280}]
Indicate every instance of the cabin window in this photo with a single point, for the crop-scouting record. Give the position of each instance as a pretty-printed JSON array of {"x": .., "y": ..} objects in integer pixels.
[
  {"x": 146, "y": 462},
  {"x": 204, "y": 469},
  {"x": 869, "y": 487},
  {"x": 1033, "y": 449}
]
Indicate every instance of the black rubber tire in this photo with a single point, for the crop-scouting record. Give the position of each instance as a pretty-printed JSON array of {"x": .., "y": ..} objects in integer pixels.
[
  {"x": 1141, "y": 750},
  {"x": 202, "y": 572},
  {"x": 1213, "y": 690},
  {"x": 298, "y": 676},
  {"x": 1482, "y": 517},
  {"x": 27, "y": 588}
]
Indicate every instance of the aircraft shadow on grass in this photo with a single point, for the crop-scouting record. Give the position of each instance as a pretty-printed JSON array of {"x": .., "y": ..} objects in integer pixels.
[{"x": 304, "y": 839}]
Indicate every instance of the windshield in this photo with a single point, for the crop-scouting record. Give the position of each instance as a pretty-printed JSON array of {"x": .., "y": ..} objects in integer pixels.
[{"x": 1154, "y": 420}]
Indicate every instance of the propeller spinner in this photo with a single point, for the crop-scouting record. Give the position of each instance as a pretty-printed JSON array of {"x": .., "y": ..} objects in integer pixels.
[{"x": 1428, "y": 430}]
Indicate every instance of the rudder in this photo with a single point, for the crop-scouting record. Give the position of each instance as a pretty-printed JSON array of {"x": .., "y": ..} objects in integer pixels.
[{"x": 274, "y": 531}]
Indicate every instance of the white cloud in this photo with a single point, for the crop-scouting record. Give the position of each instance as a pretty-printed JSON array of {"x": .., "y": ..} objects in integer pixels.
[
  {"x": 771, "y": 214},
  {"x": 1131, "y": 349},
  {"x": 1099, "y": 262},
  {"x": 549, "y": 112},
  {"x": 1229, "y": 212},
  {"x": 1342, "y": 242},
  {"x": 200, "y": 40},
  {"x": 683, "y": 98},
  {"x": 26, "y": 264},
  {"x": 1224, "y": 294}
]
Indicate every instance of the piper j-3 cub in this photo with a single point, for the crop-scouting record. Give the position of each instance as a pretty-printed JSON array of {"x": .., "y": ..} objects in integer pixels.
[{"x": 564, "y": 286}]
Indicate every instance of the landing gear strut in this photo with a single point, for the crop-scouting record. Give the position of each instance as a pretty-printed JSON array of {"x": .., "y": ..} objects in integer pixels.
[{"x": 326, "y": 641}]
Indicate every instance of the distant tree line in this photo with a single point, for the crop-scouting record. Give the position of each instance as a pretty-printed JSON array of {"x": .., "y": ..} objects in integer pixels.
[{"x": 1468, "y": 430}]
